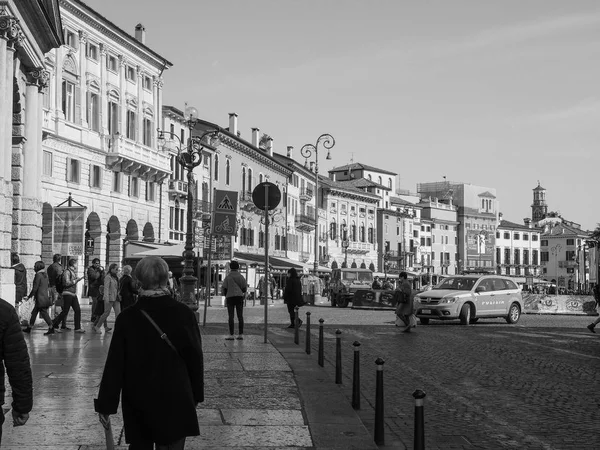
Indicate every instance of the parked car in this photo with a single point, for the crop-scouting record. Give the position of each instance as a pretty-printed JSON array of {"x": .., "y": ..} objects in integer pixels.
[
  {"x": 470, "y": 298},
  {"x": 345, "y": 282}
]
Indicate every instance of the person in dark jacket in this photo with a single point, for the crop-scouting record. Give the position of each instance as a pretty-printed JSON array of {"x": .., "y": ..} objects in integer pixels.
[
  {"x": 39, "y": 292},
  {"x": 70, "y": 298},
  {"x": 160, "y": 387},
  {"x": 127, "y": 288},
  {"x": 14, "y": 356},
  {"x": 292, "y": 295},
  {"x": 234, "y": 289},
  {"x": 20, "y": 278},
  {"x": 55, "y": 270},
  {"x": 95, "y": 277}
]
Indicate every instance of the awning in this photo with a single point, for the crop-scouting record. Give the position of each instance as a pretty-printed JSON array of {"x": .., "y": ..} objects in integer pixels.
[
  {"x": 276, "y": 263},
  {"x": 166, "y": 251}
]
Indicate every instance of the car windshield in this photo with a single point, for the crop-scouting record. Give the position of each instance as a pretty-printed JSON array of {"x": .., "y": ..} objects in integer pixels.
[
  {"x": 357, "y": 276},
  {"x": 457, "y": 284}
]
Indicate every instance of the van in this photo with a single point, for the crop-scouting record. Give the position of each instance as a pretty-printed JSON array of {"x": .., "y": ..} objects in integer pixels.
[{"x": 345, "y": 282}]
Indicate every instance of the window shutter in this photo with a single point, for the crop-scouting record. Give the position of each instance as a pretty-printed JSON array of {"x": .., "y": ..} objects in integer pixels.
[
  {"x": 77, "y": 105},
  {"x": 88, "y": 116},
  {"x": 69, "y": 169},
  {"x": 91, "y": 181}
]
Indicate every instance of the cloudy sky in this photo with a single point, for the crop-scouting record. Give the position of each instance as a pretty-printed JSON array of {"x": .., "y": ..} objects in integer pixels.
[{"x": 498, "y": 94}]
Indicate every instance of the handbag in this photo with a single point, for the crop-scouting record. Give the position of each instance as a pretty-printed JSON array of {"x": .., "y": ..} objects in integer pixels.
[
  {"x": 44, "y": 302},
  {"x": 163, "y": 336},
  {"x": 24, "y": 310}
]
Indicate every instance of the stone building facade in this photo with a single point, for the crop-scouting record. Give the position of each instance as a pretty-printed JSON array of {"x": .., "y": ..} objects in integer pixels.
[
  {"x": 517, "y": 248},
  {"x": 28, "y": 31},
  {"x": 99, "y": 144}
]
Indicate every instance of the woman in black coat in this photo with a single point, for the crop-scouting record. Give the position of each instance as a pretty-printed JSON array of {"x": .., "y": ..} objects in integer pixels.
[
  {"x": 292, "y": 295},
  {"x": 127, "y": 288},
  {"x": 39, "y": 292},
  {"x": 160, "y": 386}
]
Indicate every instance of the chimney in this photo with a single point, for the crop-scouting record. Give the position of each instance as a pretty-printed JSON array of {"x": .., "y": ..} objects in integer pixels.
[
  {"x": 233, "y": 125},
  {"x": 270, "y": 146},
  {"x": 527, "y": 222},
  {"x": 500, "y": 216},
  {"x": 140, "y": 33},
  {"x": 312, "y": 166},
  {"x": 255, "y": 137},
  {"x": 290, "y": 152}
]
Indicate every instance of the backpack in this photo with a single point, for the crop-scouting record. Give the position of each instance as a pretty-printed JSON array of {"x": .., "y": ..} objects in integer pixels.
[{"x": 59, "y": 283}]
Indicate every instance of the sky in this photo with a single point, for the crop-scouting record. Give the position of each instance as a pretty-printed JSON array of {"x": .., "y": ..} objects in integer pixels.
[{"x": 497, "y": 94}]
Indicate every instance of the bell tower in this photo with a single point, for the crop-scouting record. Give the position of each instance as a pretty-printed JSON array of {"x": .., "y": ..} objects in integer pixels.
[{"x": 539, "y": 208}]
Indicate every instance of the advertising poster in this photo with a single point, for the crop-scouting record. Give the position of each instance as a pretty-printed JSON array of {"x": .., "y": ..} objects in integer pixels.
[
  {"x": 68, "y": 231},
  {"x": 480, "y": 247}
]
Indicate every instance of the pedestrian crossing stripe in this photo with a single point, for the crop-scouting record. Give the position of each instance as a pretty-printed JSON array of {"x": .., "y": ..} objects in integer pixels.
[{"x": 226, "y": 204}]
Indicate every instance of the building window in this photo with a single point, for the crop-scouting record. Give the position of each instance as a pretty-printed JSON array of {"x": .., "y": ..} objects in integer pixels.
[
  {"x": 147, "y": 83},
  {"x": 111, "y": 63},
  {"x": 416, "y": 233},
  {"x": 525, "y": 236},
  {"x": 570, "y": 255},
  {"x": 370, "y": 235},
  {"x": 71, "y": 39},
  {"x": 497, "y": 235},
  {"x": 131, "y": 125},
  {"x": 47, "y": 163},
  {"x": 517, "y": 256},
  {"x": 134, "y": 190},
  {"x": 506, "y": 235},
  {"x": 68, "y": 100},
  {"x": 428, "y": 242},
  {"x": 570, "y": 241},
  {"x": 498, "y": 256},
  {"x": 92, "y": 51},
  {"x": 544, "y": 242},
  {"x": 216, "y": 168},
  {"x": 517, "y": 237},
  {"x": 249, "y": 180},
  {"x": 93, "y": 111},
  {"x": 534, "y": 259},
  {"x": 130, "y": 74},
  {"x": 227, "y": 172},
  {"x": 95, "y": 176},
  {"x": 507, "y": 256},
  {"x": 113, "y": 118},
  {"x": 150, "y": 191},
  {"x": 117, "y": 181},
  {"x": 148, "y": 128},
  {"x": 526, "y": 257},
  {"x": 534, "y": 237},
  {"x": 73, "y": 170},
  {"x": 544, "y": 256}
]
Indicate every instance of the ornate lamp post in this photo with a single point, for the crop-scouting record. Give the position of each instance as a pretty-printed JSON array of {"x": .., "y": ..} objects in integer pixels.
[
  {"x": 307, "y": 151},
  {"x": 189, "y": 155}
]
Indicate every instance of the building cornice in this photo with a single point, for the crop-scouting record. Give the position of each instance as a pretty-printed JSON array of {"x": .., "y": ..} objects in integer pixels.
[{"x": 254, "y": 153}]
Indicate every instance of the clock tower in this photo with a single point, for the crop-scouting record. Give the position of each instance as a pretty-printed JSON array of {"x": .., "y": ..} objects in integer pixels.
[{"x": 539, "y": 208}]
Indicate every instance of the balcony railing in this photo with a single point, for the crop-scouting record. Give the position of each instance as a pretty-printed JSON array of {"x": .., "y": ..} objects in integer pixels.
[
  {"x": 178, "y": 187},
  {"x": 305, "y": 222},
  {"x": 305, "y": 194},
  {"x": 359, "y": 247},
  {"x": 130, "y": 156}
]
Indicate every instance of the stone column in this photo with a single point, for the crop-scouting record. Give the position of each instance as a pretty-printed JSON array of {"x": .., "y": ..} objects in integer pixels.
[
  {"x": 103, "y": 101},
  {"x": 123, "y": 88},
  {"x": 82, "y": 79},
  {"x": 10, "y": 36}
]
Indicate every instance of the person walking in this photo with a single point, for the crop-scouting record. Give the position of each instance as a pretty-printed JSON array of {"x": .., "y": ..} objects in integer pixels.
[
  {"x": 596, "y": 292},
  {"x": 292, "y": 295},
  {"x": 110, "y": 296},
  {"x": 15, "y": 357},
  {"x": 20, "y": 279},
  {"x": 95, "y": 278},
  {"x": 405, "y": 309},
  {"x": 127, "y": 288},
  {"x": 152, "y": 373},
  {"x": 40, "y": 293},
  {"x": 376, "y": 283},
  {"x": 234, "y": 288},
  {"x": 69, "y": 295},
  {"x": 54, "y": 271}
]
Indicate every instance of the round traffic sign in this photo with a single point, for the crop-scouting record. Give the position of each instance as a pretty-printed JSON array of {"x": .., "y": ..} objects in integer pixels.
[{"x": 272, "y": 198}]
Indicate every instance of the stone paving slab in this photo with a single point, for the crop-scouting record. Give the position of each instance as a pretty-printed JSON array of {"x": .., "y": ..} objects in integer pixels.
[
  {"x": 263, "y": 436},
  {"x": 256, "y": 417}
]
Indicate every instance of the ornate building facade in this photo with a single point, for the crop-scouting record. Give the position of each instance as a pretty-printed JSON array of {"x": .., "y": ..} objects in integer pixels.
[{"x": 28, "y": 30}]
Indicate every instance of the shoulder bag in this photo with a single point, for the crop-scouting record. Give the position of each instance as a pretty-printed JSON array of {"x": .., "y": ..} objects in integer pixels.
[{"x": 163, "y": 336}]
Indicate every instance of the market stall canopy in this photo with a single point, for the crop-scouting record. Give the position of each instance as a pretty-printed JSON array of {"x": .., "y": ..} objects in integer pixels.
[{"x": 167, "y": 251}]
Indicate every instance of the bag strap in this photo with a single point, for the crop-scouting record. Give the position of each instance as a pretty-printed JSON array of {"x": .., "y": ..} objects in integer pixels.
[{"x": 163, "y": 335}]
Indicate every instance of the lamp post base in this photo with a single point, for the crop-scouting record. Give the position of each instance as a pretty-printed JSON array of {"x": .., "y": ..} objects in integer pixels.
[{"x": 187, "y": 284}]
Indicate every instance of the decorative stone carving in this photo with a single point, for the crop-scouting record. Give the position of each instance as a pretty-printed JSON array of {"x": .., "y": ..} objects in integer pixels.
[
  {"x": 39, "y": 77},
  {"x": 83, "y": 37},
  {"x": 103, "y": 50},
  {"x": 10, "y": 28}
]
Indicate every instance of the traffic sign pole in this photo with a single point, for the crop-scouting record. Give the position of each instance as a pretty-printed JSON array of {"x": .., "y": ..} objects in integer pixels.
[{"x": 265, "y": 289}]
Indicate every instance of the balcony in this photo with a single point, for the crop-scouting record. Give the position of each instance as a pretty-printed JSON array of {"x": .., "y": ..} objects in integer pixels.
[
  {"x": 304, "y": 256},
  {"x": 359, "y": 247},
  {"x": 132, "y": 157},
  {"x": 304, "y": 222},
  {"x": 178, "y": 188},
  {"x": 306, "y": 195},
  {"x": 567, "y": 264}
]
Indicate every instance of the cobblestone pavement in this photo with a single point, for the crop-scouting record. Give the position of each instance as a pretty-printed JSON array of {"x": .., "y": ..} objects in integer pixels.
[{"x": 491, "y": 385}]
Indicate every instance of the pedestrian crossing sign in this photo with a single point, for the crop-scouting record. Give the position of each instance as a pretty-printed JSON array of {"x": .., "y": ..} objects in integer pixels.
[{"x": 226, "y": 202}]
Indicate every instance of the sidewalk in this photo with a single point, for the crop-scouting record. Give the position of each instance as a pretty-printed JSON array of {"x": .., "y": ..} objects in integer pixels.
[{"x": 257, "y": 395}]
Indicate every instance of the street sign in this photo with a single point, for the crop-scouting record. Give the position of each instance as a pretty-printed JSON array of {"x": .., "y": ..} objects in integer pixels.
[
  {"x": 273, "y": 196},
  {"x": 225, "y": 213},
  {"x": 89, "y": 246}
]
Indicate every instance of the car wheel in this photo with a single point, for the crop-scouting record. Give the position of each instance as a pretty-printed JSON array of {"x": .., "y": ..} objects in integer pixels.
[
  {"x": 465, "y": 314},
  {"x": 474, "y": 320},
  {"x": 424, "y": 321},
  {"x": 514, "y": 313},
  {"x": 342, "y": 302}
]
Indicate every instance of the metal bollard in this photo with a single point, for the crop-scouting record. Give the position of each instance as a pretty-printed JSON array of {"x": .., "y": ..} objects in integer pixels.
[
  {"x": 338, "y": 357},
  {"x": 419, "y": 396},
  {"x": 296, "y": 326},
  {"x": 356, "y": 377},
  {"x": 320, "y": 359},
  {"x": 379, "y": 434},
  {"x": 307, "y": 349}
]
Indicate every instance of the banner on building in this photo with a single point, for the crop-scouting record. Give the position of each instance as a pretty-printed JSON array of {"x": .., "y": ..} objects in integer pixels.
[
  {"x": 225, "y": 214},
  {"x": 68, "y": 230},
  {"x": 480, "y": 248}
]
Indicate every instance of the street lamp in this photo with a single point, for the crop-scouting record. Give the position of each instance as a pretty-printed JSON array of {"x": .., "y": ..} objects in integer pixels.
[
  {"x": 190, "y": 155},
  {"x": 307, "y": 151},
  {"x": 554, "y": 251}
]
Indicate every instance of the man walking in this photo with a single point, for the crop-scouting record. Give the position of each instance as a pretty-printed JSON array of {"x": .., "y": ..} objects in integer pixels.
[
  {"x": 234, "y": 288},
  {"x": 54, "y": 271},
  {"x": 14, "y": 356},
  {"x": 69, "y": 295},
  {"x": 20, "y": 279},
  {"x": 95, "y": 276}
]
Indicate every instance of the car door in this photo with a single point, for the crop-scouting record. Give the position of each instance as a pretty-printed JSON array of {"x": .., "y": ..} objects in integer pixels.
[
  {"x": 499, "y": 298},
  {"x": 484, "y": 293},
  {"x": 511, "y": 293}
]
